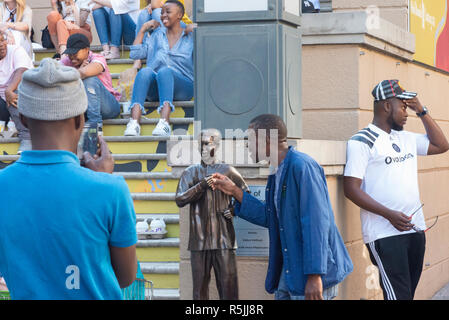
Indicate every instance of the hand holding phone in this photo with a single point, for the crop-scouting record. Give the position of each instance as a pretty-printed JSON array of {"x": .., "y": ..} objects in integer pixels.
[{"x": 102, "y": 160}]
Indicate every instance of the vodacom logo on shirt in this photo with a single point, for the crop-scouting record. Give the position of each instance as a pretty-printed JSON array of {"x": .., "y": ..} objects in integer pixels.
[{"x": 389, "y": 160}]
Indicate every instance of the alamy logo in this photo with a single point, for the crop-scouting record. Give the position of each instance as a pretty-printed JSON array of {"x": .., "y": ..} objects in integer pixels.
[
  {"x": 73, "y": 280},
  {"x": 389, "y": 160}
]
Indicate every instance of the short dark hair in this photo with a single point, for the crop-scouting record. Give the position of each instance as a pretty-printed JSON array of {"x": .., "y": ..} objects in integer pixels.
[
  {"x": 268, "y": 122},
  {"x": 179, "y": 4}
]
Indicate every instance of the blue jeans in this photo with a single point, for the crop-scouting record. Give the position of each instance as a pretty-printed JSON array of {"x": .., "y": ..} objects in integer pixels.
[
  {"x": 111, "y": 27},
  {"x": 101, "y": 103},
  {"x": 9, "y": 111},
  {"x": 166, "y": 85},
  {"x": 144, "y": 16},
  {"x": 282, "y": 292}
]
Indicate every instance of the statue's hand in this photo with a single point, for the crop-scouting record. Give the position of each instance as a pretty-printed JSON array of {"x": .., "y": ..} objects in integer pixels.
[
  {"x": 228, "y": 214},
  {"x": 210, "y": 181}
]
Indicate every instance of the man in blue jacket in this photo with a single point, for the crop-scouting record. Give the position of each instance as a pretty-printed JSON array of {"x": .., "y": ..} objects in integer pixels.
[{"x": 307, "y": 258}]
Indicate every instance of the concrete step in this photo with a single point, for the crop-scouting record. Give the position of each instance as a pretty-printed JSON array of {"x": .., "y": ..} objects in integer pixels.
[
  {"x": 168, "y": 218},
  {"x": 142, "y": 144},
  {"x": 117, "y": 127},
  {"x": 148, "y": 182},
  {"x": 155, "y": 207},
  {"x": 163, "y": 275},
  {"x": 143, "y": 171},
  {"x": 146, "y": 121},
  {"x": 158, "y": 243},
  {"x": 158, "y": 250},
  {"x": 49, "y": 53},
  {"x": 184, "y": 104},
  {"x": 163, "y": 196},
  {"x": 159, "y": 267},
  {"x": 166, "y": 294},
  {"x": 122, "y": 157}
]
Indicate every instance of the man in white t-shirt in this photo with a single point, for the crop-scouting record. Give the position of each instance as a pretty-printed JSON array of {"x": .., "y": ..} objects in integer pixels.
[
  {"x": 381, "y": 177},
  {"x": 14, "y": 61}
]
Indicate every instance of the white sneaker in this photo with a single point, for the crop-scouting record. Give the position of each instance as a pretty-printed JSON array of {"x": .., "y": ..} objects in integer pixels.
[
  {"x": 132, "y": 128},
  {"x": 162, "y": 129}
]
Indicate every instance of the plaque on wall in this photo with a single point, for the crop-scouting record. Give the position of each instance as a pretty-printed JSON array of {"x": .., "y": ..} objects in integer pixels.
[{"x": 252, "y": 240}]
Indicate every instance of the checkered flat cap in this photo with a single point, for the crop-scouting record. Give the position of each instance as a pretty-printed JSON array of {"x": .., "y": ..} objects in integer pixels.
[{"x": 391, "y": 89}]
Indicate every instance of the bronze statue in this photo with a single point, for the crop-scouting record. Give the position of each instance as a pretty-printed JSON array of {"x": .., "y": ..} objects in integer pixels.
[{"x": 212, "y": 237}]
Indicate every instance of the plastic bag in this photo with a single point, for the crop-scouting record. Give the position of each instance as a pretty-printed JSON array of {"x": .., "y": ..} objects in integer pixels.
[{"x": 126, "y": 83}]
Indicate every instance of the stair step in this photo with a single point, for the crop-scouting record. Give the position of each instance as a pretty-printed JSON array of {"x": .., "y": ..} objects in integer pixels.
[
  {"x": 44, "y": 53},
  {"x": 155, "y": 104},
  {"x": 159, "y": 267},
  {"x": 180, "y": 126},
  {"x": 143, "y": 138},
  {"x": 121, "y": 138},
  {"x": 123, "y": 157},
  {"x": 159, "y": 243},
  {"x": 168, "y": 218},
  {"x": 158, "y": 250},
  {"x": 146, "y": 175},
  {"x": 150, "y": 156},
  {"x": 155, "y": 207},
  {"x": 120, "y": 61},
  {"x": 165, "y": 294},
  {"x": 166, "y": 196},
  {"x": 150, "y": 121}
]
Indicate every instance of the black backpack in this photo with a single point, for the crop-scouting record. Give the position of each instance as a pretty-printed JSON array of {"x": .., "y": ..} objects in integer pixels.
[{"x": 46, "y": 39}]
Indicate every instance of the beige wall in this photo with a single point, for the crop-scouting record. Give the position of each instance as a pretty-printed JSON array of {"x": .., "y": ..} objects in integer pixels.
[
  {"x": 395, "y": 11},
  {"x": 347, "y": 73}
]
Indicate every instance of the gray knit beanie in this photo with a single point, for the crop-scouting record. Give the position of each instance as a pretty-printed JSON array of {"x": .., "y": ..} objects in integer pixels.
[{"x": 51, "y": 92}]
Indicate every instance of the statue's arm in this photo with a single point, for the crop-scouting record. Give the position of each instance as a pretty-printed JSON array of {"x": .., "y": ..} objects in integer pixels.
[
  {"x": 188, "y": 192},
  {"x": 237, "y": 178}
]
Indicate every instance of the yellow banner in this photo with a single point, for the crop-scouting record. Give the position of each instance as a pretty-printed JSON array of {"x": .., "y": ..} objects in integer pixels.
[{"x": 429, "y": 22}]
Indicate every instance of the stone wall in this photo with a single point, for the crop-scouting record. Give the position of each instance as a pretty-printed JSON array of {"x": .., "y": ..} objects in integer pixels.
[{"x": 395, "y": 11}]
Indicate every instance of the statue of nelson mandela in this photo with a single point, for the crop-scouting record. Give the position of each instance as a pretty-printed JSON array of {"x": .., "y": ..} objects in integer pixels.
[{"x": 212, "y": 241}]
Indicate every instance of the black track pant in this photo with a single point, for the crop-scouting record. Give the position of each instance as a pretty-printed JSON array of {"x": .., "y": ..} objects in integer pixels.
[
  {"x": 400, "y": 262},
  {"x": 225, "y": 269}
]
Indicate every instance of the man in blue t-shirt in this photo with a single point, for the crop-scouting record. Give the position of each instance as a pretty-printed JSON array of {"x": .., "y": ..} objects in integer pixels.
[{"x": 66, "y": 232}]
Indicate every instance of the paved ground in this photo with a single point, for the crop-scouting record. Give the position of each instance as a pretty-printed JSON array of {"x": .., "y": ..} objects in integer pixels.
[{"x": 443, "y": 294}]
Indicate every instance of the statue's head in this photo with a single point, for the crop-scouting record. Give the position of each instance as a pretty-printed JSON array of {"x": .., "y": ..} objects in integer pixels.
[{"x": 209, "y": 143}]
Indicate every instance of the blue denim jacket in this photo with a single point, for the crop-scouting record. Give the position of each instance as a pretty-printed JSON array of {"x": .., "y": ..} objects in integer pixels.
[
  {"x": 305, "y": 236},
  {"x": 158, "y": 53}
]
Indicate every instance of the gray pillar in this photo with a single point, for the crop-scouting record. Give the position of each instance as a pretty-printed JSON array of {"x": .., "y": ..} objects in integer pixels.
[{"x": 248, "y": 62}]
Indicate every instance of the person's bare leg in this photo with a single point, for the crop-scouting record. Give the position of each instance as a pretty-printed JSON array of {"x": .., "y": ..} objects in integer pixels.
[
  {"x": 136, "y": 113},
  {"x": 165, "y": 112},
  {"x": 62, "y": 48},
  {"x": 54, "y": 39}
]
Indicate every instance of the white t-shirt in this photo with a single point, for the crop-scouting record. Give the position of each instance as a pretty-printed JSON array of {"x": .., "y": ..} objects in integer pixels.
[
  {"x": 16, "y": 58},
  {"x": 131, "y": 7},
  {"x": 388, "y": 167}
]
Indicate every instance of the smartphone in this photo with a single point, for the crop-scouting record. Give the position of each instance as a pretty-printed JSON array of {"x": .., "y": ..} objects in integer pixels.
[{"x": 89, "y": 139}]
